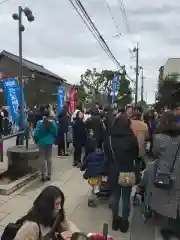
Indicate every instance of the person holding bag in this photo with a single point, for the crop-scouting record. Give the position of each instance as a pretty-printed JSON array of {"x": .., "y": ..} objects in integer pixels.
[
  {"x": 165, "y": 174},
  {"x": 123, "y": 174}
]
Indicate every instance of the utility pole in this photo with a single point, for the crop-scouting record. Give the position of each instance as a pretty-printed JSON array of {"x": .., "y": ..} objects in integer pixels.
[
  {"x": 142, "y": 84},
  {"x": 21, "y": 28},
  {"x": 136, "y": 50}
]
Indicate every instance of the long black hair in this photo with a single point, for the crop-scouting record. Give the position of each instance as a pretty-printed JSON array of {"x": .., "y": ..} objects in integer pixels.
[{"x": 43, "y": 207}]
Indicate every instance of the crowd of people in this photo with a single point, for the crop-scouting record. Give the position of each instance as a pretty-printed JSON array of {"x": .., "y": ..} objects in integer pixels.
[
  {"x": 128, "y": 146},
  {"x": 140, "y": 147}
]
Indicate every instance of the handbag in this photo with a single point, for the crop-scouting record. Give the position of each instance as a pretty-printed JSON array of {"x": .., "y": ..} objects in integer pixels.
[
  {"x": 165, "y": 180},
  {"x": 125, "y": 179}
]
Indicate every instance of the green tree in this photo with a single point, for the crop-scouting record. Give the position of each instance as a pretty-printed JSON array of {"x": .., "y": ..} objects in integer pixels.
[
  {"x": 124, "y": 96},
  {"x": 81, "y": 95},
  {"x": 166, "y": 90},
  {"x": 96, "y": 84}
]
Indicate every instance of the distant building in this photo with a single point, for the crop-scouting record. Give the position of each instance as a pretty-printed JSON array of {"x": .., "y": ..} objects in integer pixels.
[
  {"x": 40, "y": 84},
  {"x": 171, "y": 67}
]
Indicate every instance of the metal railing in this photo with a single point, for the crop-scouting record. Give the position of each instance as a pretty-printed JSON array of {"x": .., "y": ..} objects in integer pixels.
[{"x": 2, "y": 139}]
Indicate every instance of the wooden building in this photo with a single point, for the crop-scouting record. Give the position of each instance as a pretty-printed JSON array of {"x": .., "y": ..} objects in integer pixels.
[{"x": 40, "y": 84}]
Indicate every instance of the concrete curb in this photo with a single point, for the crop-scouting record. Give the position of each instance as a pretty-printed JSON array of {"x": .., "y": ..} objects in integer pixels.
[{"x": 7, "y": 189}]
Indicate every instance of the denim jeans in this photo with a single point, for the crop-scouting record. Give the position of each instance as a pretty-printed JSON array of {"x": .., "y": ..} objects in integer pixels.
[{"x": 118, "y": 193}]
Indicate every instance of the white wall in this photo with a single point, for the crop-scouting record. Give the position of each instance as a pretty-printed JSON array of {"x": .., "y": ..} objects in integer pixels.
[{"x": 172, "y": 66}]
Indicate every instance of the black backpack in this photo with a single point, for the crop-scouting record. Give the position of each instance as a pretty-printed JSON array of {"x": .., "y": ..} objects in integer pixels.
[{"x": 11, "y": 229}]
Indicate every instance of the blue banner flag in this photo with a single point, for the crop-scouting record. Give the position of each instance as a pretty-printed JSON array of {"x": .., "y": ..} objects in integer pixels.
[
  {"x": 61, "y": 96},
  {"x": 115, "y": 86},
  {"x": 12, "y": 96}
]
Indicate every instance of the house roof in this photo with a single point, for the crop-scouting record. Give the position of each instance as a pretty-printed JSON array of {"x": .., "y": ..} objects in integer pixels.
[{"x": 32, "y": 66}]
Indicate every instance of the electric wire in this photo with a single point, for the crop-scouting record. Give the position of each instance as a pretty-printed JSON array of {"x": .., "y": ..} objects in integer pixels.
[
  {"x": 92, "y": 28},
  {"x": 4, "y": 1},
  {"x": 112, "y": 16},
  {"x": 96, "y": 30},
  {"x": 124, "y": 15},
  {"x": 91, "y": 31}
]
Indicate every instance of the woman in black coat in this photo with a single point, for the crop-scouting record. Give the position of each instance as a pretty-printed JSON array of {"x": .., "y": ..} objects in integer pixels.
[
  {"x": 63, "y": 125},
  {"x": 79, "y": 137},
  {"x": 125, "y": 150}
]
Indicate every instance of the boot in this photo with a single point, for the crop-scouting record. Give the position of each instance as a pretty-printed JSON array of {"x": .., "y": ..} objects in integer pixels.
[
  {"x": 115, "y": 223},
  {"x": 124, "y": 225}
]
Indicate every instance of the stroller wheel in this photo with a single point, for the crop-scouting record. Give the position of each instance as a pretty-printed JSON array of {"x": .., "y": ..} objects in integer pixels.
[
  {"x": 147, "y": 214},
  {"x": 92, "y": 203},
  {"x": 135, "y": 200}
]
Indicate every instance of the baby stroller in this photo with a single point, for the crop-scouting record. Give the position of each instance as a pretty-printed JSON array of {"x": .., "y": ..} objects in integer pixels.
[
  {"x": 104, "y": 192},
  {"x": 141, "y": 198},
  {"x": 93, "y": 167}
]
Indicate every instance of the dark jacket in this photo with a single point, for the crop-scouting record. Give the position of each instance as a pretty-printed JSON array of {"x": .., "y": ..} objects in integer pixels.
[
  {"x": 63, "y": 125},
  {"x": 95, "y": 123},
  {"x": 91, "y": 145},
  {"x": 93, "y": 165},
  {"x": 79, "y": 132},
  {"x": 38, "y": 116},
  {"x": 125, "y": 148}
]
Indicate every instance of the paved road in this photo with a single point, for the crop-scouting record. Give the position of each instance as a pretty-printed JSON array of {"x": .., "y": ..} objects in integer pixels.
[
  {"x": 7, "y": 144},
  {"x": 76, "y": 191}
]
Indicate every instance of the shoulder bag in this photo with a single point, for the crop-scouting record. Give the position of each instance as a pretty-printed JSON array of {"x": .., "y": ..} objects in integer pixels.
[
  {"x": 125, "y": 179},
  {"x": 164, "y": 180}
]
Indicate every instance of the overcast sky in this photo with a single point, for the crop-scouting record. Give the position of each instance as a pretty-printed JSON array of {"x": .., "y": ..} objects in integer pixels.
[{"x": 59, "y": 40}]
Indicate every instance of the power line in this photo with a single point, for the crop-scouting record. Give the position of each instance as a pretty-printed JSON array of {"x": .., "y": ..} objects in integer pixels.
[
  {"x": 124, "y": 15},
  {"x": 96, "y": 30},
  {"x": 91, "y": 30},
  {"x": 91, "y": 26},
  {"x": 3, "y": 1},
  {"x": 112, "y": 16}
]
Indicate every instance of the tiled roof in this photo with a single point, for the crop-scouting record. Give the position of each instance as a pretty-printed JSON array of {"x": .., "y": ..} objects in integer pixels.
[{"x": 32, "y": 66}]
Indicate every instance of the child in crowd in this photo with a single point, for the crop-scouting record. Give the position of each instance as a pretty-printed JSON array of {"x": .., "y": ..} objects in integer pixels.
[
  {"x": 93, "y": 163},
  {"x": 91, "y": 142}
]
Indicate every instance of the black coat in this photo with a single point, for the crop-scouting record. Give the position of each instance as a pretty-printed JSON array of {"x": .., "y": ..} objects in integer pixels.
[
  {"x": 125, "y": 148},
  {"x": 63, "y": 125},
  {"x": 79, "y": 132}
]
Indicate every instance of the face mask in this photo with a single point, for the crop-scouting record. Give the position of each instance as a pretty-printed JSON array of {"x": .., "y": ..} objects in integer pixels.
[{"x": 57, "y": 206}]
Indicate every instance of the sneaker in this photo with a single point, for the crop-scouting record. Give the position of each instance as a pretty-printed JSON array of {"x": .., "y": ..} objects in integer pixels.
[
  {"x": 124, "y": 225},
  {"x": 48, "y": 178}
]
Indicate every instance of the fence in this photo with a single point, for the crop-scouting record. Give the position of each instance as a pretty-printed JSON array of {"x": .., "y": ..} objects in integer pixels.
[{"x": 12, "y": 136}]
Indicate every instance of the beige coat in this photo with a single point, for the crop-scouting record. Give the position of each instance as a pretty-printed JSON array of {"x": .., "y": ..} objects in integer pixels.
[
  {"x": 140, "y": 130},
  {"x": 30, "y": 231}
]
